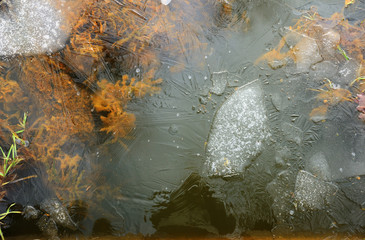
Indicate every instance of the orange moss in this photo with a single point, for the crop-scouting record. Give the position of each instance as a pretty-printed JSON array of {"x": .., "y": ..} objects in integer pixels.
[
  {"x": 334, "y": 96},
  {"x": 59, "y": 111},
  {"x": 328, "y": 97},
  {"x": 113, "y": 99},
  {"x": 276, "y": 54},
  {"x": 65, "y": 106},
  {"x": 334, "y": 30},
  {"x": 319, "y": 112},
  {"x": 348, "y": 2}
]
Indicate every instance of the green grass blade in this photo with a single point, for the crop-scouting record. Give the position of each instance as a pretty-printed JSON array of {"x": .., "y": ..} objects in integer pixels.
[
  {"x": 4, "y": 155},
  {"x": 342, "y": 52},
  {"x": 10, "y": 150}
]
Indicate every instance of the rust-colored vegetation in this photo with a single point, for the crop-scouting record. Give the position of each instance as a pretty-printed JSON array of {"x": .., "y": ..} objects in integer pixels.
[
  {"x": 73, "y": 94},
  {"x": 113, "y": 99},
  {"x": 61, "y": 118},
  {"x": 329, "y": 96},
  {"x": 332, "y": 39}
]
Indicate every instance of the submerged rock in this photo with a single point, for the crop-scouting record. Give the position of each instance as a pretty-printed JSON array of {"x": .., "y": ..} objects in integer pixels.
[
  {"x": 280, "y": 190},
  {"x": 38, "y": 203},
  {"x": 277, "y": 101},
  {"x": 58, "y": 213},
  {"x": 238, "y": 132},
  {"x": 192, "y": 209},
  {"x": 322, "y": 70},
  {"x": 30, "y": 27},
  {"x": 329, "y": 42}
]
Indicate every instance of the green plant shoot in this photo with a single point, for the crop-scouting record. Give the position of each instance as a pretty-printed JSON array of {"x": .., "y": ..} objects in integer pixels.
[
  {"x": 343, "y": 52},
  {"x": 3, "y": 215}
]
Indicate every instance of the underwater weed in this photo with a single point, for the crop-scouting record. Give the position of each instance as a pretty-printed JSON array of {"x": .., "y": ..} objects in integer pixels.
[
  {"x": 343, "y": 52},
  {"x": 11, "y": 159},
  {"x": 3, "y": 215},
  {"x": 113, "y": 99}
]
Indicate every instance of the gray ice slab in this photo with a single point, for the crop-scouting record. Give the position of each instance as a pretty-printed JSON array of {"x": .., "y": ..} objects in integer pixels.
[
  {"x": 238, "y": 132},
  {"x": 311, "y": 192},
  {"x": 219, "y": 81},
  {"x": 30, "y": 27},
  {"x": 318, "y": 166},
  {"x": 306, "y": 54}
]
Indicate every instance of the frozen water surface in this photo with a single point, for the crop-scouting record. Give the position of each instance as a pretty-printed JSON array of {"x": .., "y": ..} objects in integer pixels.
[
  {"x": 238, "y": 132},
  {"x": 212, "y": 151}
]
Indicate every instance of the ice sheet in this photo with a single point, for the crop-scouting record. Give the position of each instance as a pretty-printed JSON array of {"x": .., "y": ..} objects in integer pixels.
[
  {"x": 238, "y": 132},
  {"x": 30, "y": 27}
]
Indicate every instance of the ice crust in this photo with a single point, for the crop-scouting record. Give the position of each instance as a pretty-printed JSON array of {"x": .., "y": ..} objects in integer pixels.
[
  {"x": 318, "y": 166},
  {"x": 30, "y": 27},
  {"x": 219, "y": 80},
  {"x": 238, "y": 132},
  {"x": 306, "y": 53},
  {"x": 311, "y": 192}
]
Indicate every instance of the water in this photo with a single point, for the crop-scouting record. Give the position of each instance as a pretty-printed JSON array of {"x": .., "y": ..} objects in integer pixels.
[{"x": 158, "y": 158}]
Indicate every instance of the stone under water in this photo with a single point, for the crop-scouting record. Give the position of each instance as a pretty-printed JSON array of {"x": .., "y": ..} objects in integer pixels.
[{"x": 238, "y": 132}]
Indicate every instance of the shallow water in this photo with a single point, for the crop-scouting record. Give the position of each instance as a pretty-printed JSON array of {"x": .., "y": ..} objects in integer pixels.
[{"x": 152, "y": 180}]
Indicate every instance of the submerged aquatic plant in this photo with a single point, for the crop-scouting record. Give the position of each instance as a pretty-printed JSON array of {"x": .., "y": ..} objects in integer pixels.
[
  {"x": 328, "y": 96},
  {"x": 332, "y": 39},
  {"x": 113, "y": 99},
  {"x": 343, "y": 52},
  {"x": 11, "y": 159},
  {"x": 3, "y": 215}
]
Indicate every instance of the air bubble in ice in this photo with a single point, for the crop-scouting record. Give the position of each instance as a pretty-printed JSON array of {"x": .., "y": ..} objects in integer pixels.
[{"x": 173, "y": 129}]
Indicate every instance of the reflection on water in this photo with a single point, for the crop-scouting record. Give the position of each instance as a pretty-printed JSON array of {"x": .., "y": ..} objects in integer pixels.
[{"x": 189, "y": 118}]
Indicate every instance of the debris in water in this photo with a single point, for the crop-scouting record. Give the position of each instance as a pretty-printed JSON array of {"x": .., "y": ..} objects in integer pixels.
[{"x": 361, "y": 107}]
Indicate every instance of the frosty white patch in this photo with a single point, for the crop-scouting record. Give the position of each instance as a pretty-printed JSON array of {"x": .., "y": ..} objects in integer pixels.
[
  {"x": 165, "y": 2},
  {"x": 30, "y": 27},
  {"x": 238, "y": 132}
]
